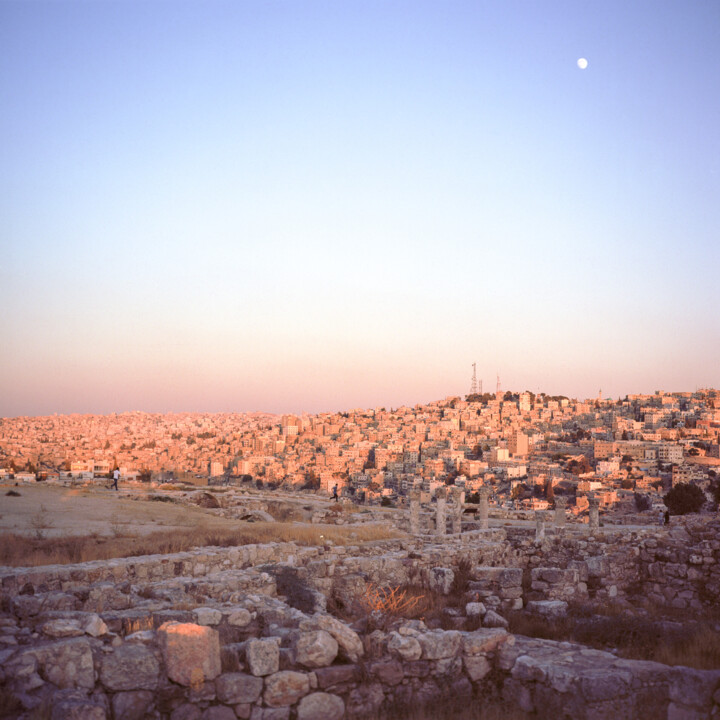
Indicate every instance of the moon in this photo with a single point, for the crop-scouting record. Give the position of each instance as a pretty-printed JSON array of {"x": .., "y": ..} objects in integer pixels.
[{"x": 582, "y": 63}]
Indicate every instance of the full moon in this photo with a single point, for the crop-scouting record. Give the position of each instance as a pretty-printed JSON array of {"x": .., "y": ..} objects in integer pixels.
[{"x": 582, "y": 63}]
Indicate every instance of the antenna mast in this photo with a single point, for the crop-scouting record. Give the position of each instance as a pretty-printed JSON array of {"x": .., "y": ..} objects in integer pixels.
[{"x": 473, "y": 384}]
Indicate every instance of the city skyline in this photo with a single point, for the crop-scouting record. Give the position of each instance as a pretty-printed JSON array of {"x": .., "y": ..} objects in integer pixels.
[{"x": 307, "y": 207}]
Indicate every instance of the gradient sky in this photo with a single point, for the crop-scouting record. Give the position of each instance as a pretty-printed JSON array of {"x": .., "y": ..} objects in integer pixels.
[{"x": 291, "y": 205}]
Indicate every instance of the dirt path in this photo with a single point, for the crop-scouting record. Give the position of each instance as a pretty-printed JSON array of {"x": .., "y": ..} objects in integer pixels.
[{"x": 53, "y": 511}]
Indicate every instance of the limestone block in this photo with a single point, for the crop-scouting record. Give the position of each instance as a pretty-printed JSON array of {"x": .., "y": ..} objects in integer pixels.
[
  {"x": 263, "y": 656},
  {"x": 349, "y": 642},
  {"x": 279, "y": 713},
  {"x": 95, "y": 626},
  {"x": 240, "y": 618},
  {"x": 207, "y": 616},
  {"x": 476, "y": 666},
  {"x": 692, "y": 687},
  {"x": 485, "y": 640},
  {"x": 191, "y": 652},
  {"x": 237, "y": 688},
  {"x": 451, "y": 666},
  {"x": 130, "y": 667},
  {"x": 218, "y": 712},
  {"x": 186, "y": 711},
  {"x": 365, "y": 700},
  {"x": 440, "y": 644},
  {"x": 510, "y": 577},
  {"x": 440, "y": 580},
  {"x": 67, "y": 664},
  {"x": 475, "y": 609},
  {"x": 605, "y": 684},
  {"x": 336, "y": 675},
  {"x": 75, "y": 705},
  {"x": 285, "y": 688},
  {"x": 388, "y": 672},
  {"x": 491, "y": 619},
  {"x": 406, "y": 647},
  {"x": 62, "y": 627},
  {"x": 131, "y": 705},
  {"x": 548, "y": 608},
  {"x": 315, "y": 648},
  {"x": 597, "y": 566},
  {"x": 321, "y": 706}
]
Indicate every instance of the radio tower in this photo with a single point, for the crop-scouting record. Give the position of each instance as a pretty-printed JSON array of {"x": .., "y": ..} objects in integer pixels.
[
  {"x": 473, "y": 384},
  {"x": 497, "y": 387}
]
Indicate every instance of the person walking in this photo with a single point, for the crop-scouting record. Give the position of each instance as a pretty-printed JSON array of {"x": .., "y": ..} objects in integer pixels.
[
  {"x": 335, "y": 493},
  {"x": 116, "y": 477}
]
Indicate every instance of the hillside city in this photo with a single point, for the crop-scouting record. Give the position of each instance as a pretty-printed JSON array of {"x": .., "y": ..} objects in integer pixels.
[{"x": 527, "y": 448}]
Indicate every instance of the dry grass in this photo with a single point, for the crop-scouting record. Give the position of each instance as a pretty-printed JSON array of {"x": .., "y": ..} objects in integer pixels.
[
  {"x": 393, "y": 602},
  {"x": 20, "y": 550}
]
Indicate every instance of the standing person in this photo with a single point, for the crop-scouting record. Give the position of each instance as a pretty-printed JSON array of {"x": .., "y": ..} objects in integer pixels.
[
  {"x": 116, "y": 477},
  {"x": 667, "y": 517},
  {"x": 662, "y": 517},
  {"x": 335, "y": 493}
]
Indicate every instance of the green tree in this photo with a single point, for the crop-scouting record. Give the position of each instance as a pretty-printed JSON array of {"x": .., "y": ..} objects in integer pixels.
[{"x": 684, "y": 499}]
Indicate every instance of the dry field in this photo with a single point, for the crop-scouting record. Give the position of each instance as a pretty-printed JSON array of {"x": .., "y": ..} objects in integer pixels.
[{"x": 44, "y": 524}]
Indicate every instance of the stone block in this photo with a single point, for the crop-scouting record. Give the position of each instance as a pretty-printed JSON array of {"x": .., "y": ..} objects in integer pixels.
[
  {"x": 485, "y": 640},
  {"x": 440, "y": 644},
  {"x": 321, "y": 706},
  {"x": 476, "y": 666},
  {"x": 238, "y": 688},
  {"x": 285, "y": 688},
  {"x": 133, "y": 705},
  {"x": 315, "y": 649},
  {"x": 191, "y": 652},
  {"x": 491, "y": 619},
  {"x": 441, "y": 579},
  {"x": 263, "y": 656},
  {"x": 130, "y": 667},
  {"x": 218, "y": 712},
  {"x": 336, "y": 675},
  {"x": 67, "y": 664},
  {"x": 406, "y": 647},
  {"x": 350, "y": 645},
  {"x": 207, "y": 616}
]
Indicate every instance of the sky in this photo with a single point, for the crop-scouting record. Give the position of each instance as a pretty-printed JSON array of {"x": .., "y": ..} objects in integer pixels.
[{"x": 305, "y": 206}]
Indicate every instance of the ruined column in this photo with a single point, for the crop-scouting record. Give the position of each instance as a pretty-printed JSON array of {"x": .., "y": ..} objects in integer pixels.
[
  {"x": 539, "y": 526},
  {"x": 414, "y": 496},
  {"x": 484, "y": 494},
  {"x": 593, "y": 513},
  {"x": 441, "y": 513},
  {"x": 560, "y": 505},
  {"x": 458, "y": 496}
]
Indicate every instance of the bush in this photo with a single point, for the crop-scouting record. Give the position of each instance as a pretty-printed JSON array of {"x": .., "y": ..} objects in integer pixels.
[
  {"x": 386, "y": 502},
  {"x": 642, "y": 502},
  {"x": 684, "y": 499}
]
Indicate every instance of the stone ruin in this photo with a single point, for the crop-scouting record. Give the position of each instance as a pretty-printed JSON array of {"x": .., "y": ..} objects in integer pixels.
[{"x": 245, "y": 632}]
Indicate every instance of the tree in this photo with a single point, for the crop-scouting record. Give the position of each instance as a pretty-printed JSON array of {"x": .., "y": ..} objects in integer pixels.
[
  {"x": 642, "y": 502},
  {"x": 684, "y": 499},
  {"x": 549, "y": 490}
]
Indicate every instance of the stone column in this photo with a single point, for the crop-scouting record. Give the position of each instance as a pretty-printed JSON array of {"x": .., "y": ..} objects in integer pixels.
[
  {"x": 539, "y": 526},
  {"x": 441, "y": 513},
  {"x": 560, "y": 505},
  {"x": 458, "y": 496},
  {"x": 484, "y": 494},
  {"x": 414, "y": 496},
  {"x": 593, "y": 513}
]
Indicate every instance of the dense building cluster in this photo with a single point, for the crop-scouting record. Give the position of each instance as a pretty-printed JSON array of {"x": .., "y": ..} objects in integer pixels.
[{"x": 527, "y": 448}]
